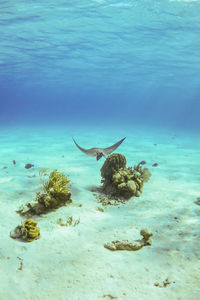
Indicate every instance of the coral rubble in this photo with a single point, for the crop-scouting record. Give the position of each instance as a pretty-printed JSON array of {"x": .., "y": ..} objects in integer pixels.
[
  {"x": 28, "y": 231},
  {"x": 165, "y": 283},
  {"x": 68, "y": 222},
  {"x": 56, "y": 193},
  {"x": 131, "y": 246}
]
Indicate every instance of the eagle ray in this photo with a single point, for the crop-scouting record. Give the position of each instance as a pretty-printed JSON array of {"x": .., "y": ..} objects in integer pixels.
[{"x": 99, "y": 152}]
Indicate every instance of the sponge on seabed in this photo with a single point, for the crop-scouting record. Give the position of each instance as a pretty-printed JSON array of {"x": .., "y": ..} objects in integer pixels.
[{"x": 28, "y": 231}]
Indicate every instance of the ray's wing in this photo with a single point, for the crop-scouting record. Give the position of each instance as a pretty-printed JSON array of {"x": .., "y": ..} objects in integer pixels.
[
  {"x": 89, "y": 152},
  {"x": 113, "y": 147}
]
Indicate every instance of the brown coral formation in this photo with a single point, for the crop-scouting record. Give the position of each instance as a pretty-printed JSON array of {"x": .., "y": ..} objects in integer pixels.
[
  {"x": 112, "y": 164},
  {"x": 56, "y": 193},
  {"x": 119, "y": 181},
  {"x": 28, "y": 231},
  {"x": 131, "y": 246}
]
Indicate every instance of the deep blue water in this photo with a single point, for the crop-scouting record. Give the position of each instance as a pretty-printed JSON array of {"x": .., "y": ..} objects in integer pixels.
[{"x": 98, "y": 61}]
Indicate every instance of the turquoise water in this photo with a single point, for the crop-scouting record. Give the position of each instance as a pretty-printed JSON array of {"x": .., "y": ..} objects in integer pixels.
[
  {"x": 94, "y": 61},
  {"x": 99, "y": 71}
]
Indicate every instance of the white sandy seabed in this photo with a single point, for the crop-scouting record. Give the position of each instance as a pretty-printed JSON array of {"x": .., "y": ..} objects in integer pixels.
[{"x": 71, "y": 262}]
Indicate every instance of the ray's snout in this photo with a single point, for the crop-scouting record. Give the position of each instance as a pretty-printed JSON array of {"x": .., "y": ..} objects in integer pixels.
[{"x": 99, "y": 155}]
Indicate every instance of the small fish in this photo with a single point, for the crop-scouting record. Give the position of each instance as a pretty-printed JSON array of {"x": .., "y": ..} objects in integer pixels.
[
  {"x": 99, "y": 152},
  {"x": 143, "y": 162},
  {"x": 197, "y": 201},
  {"x": 14, "y": 162},
  {"x": 155, "y": 165},
  {"x": 28, "y": 166}
]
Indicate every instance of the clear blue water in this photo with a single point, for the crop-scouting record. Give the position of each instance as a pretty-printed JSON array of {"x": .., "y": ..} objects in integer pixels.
[
  {"x": 94, "y": 61},
  {"x": 108, "y": 64}
]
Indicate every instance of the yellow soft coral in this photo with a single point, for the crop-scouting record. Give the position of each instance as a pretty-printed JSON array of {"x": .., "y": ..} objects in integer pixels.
[
  {"x": 56, "y": 193},
  {"x": 58, "y": 182}
]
